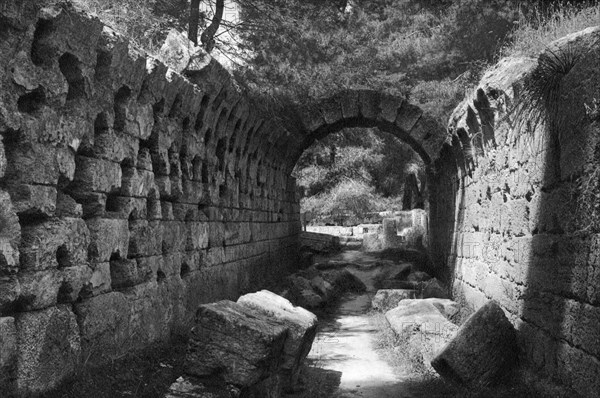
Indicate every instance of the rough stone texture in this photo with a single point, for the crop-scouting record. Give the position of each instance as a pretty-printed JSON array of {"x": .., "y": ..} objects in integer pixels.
[
  {"x": 49, "y": 348},
  {"x": 301, "y": 324},
  {"x": 483, "y": 351},
  {"x": 130, "y": 191},
  {"x": 8, "y": 354},
  {"x": 366, "y": 108},
  {"x": 433, "y": 288},
  {"x": 421, "y": 327},
  {"x": 447, "y": 307},
  {"x": 320, "y": 242},
  {"x": 386, "y": 299},
  {"x": 509, "y": 218},
  {"x": 235, "y": 344},
  {"x": 191, "y": 387}
]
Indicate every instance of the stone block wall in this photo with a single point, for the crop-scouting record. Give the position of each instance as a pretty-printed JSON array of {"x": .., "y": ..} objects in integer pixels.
[
  {"x": 515, "y": 205},
  {"x": 128, "y": 195}
]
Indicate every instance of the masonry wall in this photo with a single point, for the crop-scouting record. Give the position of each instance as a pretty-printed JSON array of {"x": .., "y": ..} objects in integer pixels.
[
  {"x": 515, "y": 205},
  {"x": 128, "y": 196}
]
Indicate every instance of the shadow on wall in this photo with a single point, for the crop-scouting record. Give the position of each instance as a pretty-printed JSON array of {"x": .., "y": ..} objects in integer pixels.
[
  {"x": 515, "y": 205},
  {"x": 560, "y": 314}
]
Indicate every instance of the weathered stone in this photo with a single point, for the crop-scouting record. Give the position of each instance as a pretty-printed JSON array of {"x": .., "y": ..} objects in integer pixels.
[
  {"x": 10, "y": 290},
  {"x": 418, "y": 276},
  {"x": 56, "y": 243},
  {"x": 319, "y": 242},
  {"x": 483, "y": 351},
  {"x": 108, "y": 237},
  {"x": 39, "y": 289},
  {"x": 372, "y": 242},
  {"x": 403, "y": 271},
  {"x": 179, "y": 53},
  {"x": 301, "y": 292},
  {"x": 33, "y": 200},
  {"x": 411, "y": 314},
  {"x": 126, "y": 273},
  {"x": 49, "y": 348},
  {"x": 104, "y": 322},
  {"x": 136, "y": 182},
  {"x": 193, "y": 387},
  {"x": 99, "y": 281},
  {"x": 434, "y": 288},
  {"x": 96, "y": 175},
  {"x": 344, "y": 281},
  {"x": 10, "y": 234},
  {"x": 322, "y": 287},
  {"x": 300, "y": 323},
  {"x": 235, "y": 344},
  {"x": 2, "y": 159},
  {"x": 74, "y": 279},
  {"x": 8, "y": 354},
  {"x": 447, "y": 307},
  {"x": 66, "y": 206},
  {"x": 386, "y": 299},
  {"x": 145, "y": 238},
  {"x": 422, "y": 327}
]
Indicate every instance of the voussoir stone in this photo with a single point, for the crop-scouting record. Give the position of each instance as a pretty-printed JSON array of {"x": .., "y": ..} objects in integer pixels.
[
  {"x": 483, "y": 351},
  {"x": 301, "y": 323},
  {"x": 235, "y": 344}
]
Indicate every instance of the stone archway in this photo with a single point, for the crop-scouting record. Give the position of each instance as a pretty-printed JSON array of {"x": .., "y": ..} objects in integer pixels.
[{"x": 367, "y": 108}]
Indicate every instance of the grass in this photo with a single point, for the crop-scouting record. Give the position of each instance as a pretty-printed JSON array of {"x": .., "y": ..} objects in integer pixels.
[
  {"x": 147, "y": 373},
  {"x": 405, "y": 356},
  {"x": 536, "y": 30}
]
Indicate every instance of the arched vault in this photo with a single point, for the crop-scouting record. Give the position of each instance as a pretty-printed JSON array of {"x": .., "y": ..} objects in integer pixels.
[{"x": 367, "y": 108}]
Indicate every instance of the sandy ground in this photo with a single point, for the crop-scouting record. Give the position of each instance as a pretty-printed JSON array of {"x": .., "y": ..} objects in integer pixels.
[{"x": 345, "y": 342}]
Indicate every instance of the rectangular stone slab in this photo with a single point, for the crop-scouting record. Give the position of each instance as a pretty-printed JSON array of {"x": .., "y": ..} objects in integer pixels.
[
  {"x": 482, "y": 352},
  {"x": 237, "y": 344}
]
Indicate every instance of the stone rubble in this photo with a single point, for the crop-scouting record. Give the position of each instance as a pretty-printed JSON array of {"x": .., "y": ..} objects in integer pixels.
[{"x": 254, "y": 347}]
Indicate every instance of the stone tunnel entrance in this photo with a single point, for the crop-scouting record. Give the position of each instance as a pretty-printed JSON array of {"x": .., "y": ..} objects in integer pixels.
[{"x": 131, "y": 193}]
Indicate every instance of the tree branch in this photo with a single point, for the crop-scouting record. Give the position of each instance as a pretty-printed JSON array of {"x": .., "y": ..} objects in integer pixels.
[
  {"x": 208, "y": 36},
  {"x": 194, "y": 19}
]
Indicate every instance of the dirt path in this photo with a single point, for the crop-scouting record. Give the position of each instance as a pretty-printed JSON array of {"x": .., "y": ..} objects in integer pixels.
[{"x": 346, "y": 340}]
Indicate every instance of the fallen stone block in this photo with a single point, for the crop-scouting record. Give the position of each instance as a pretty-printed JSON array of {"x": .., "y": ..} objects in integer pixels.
[
  {"x": 302, "y": 326},
  {"x": 397, "y": 284},
  {"x": 386, "y": 299},
  {"x": 418, "y": 276},
  {"x": 191, "y": 387},
  {"x": 483, "y": 351},
  {"x": 433, "y": 288},
  {"x": 422, "y": 329},
  {"x": 344, "y": 281},
  {"x": 323, "y": 288},
  {"x": 302, "y": 293},
  {"x": 447, "y": 307},
  {"x": 403, "y": 271},
  {"x": 235, "y": 344},
  {"x": 319, "y": 242}
]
